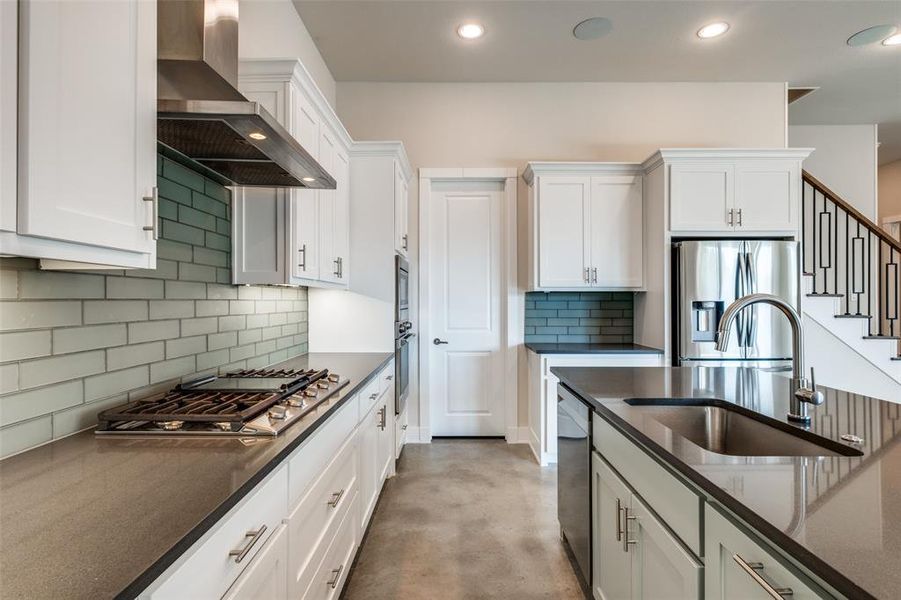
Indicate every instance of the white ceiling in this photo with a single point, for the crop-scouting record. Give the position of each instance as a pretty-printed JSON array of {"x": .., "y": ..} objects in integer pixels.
[{"x": 802, "y": 42}]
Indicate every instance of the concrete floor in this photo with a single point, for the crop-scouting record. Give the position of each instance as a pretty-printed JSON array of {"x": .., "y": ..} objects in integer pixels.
[{"x": 465, "y": 519}]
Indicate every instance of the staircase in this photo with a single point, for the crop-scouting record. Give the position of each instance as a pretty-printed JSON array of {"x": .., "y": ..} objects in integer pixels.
[{"x": 851, "y": 278}]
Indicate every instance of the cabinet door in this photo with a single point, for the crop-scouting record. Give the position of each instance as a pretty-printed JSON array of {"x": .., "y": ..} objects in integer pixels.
[
  {"x": 661, "y": 568},
  {"x": 8, "y": 113},
  {"x": 306, "y": 124},
  {"x": 266, "y": 578},
  {"x": 563, "y": 249},
  {"x": 304, "y": 208},
  {"x": 737, "y": 567},
  {"x": 701, "y": 196},
  {"x": 369, "y": 463},
  {"x": 617, "y": 232},
  {"x": 87, "y": 122},
  {"x": 401, "y": 241},
  {"x": 341, "y": 222},
  {"x": 258, "y": 234},
  {"x": 328, "y": 268},
  {"x": 766, "y": 195},
  {"x": 611, "y": 563}
]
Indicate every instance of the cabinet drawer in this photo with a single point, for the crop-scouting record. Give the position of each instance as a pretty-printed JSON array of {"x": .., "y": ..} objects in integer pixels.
[
  {"x": 264, "y": 508},
  {"x": 313, "y": 455},
  {"x": 677, "y": 505},
  {"x": 370, "y": 395},
  {"x": 315, "y": 516},
  {"x": 738, "y": 567},
  {"x": 386, "y": 378},
  {"x": 330, "y": 577}
]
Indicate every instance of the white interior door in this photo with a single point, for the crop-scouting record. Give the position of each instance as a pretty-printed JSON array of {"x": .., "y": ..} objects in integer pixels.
[{"x": 465, "y": 282}]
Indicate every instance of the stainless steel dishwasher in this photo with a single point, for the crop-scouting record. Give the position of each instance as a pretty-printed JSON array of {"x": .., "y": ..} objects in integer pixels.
[{"x": 574, "y": 479}]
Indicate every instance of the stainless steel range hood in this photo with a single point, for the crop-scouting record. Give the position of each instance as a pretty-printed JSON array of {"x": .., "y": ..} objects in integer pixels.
[{"x": 202, "y": 119}]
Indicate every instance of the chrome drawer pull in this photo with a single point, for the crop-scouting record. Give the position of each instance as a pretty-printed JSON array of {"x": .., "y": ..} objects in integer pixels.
[
  {"x": 389, "y": 377},
  {"x": 336, "y": 576},
  {"x": 154, "y": 199},
  {"x": 255, "y": 536},
  {"x": 754, "y": 569},
  {"x": 619, "y": 527},
  {"x": 336, "y": 498}
]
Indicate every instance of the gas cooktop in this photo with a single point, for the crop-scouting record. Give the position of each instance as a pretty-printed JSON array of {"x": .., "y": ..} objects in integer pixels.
[{"x": 250, "y": 402}]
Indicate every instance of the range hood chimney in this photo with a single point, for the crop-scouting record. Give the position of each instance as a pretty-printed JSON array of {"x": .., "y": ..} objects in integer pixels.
[{"x": 203, "y": 120}]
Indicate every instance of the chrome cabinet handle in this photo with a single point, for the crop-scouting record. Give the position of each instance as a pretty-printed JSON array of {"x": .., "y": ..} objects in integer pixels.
[
  {"x": 439, "y": 341},
  {"x": 241, "y": 553},
  {"x": 303, "y": 251},
  {"x": 730, "y": 217},
  {"x": 406, "y": 239},
  {"x": 154, "y": 199},
  {"x": 739, "y": 217},
  {"x": 626, "y": 518},
  {"x": 594, "y": 275},
  {"x": 389, "y": 377},
  {"x": 404, "y": 428},
  {"x": 335, "y": 499},
  {"x": 336, "y": 575},
  {"x": 383, "y": 421},
  {"x": 339, "y": 268},
  {"x": 587, "y": 275},
  {"x": 754, "y": 569},
  {"x": 619, "y": 527}
]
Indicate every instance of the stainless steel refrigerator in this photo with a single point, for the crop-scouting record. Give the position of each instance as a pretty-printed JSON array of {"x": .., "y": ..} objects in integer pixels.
[{"x": 708, "y": 275}]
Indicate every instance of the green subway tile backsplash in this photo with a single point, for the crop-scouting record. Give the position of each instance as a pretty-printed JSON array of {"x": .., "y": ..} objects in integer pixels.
[
  {"x": 75, "y": 343},
  {"x": 578, "y": 317}
]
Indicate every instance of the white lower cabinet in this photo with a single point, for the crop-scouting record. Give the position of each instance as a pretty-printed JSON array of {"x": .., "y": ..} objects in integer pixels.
[
  {"x": 266, "y": 578},
  {"x": 329, "y": 579},
  {"x": 401, "y": 423},
  {"x": 739, "y": 567},
  {"x": 635, "y": 556}
]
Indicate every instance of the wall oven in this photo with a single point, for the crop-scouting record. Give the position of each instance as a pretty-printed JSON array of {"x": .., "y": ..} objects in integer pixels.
[{"x": 403, "y": 334}]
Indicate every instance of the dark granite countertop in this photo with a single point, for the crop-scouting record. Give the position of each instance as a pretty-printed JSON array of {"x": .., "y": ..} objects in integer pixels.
[
  {"x": 838, "y": 516},
  {"x": 97, "y": 517},
  {"x": 548, "y": 348}
]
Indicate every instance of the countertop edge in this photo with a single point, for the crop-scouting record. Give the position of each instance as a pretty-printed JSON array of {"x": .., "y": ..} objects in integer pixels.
[
  {"x": 152, "y": 573},
  {"x": 540, "y": 348},
  {"x": 807, "y": 559}
]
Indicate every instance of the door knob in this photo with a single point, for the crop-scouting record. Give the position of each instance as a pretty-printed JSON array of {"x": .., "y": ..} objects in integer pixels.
[{"x": 438, "y": 341}]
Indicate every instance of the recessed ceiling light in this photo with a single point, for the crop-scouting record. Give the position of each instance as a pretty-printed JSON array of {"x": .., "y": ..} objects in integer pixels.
[
  {"x": 470, "y": 31},
  {"x": 256, "y": 135},
  {"x": 592, "y": 29},
  {"x": 308, "y": 179},
  {"x": 713, "y": 30},
  {"x": 892, "y": 40},
  {"x": 872, "y": 35}
]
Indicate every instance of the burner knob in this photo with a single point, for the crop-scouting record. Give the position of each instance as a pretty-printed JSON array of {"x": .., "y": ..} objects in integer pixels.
[
  {"x": 278, "y": 413},
  {"x": 295, "y": 401},
  {"x": 310, "y": 393},
  {"x": 334, "y": 377},
  {"x": 322, "y": 385}
]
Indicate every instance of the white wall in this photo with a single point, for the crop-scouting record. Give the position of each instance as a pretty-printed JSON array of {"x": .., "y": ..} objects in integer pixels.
[
  {"x": 890, "y": 190},
  {"x": 273, "y": 29},
  {"x": 509, "y": 124},
  {"x": 347, "y": 322},
  {"x": 844, "y": 159}
]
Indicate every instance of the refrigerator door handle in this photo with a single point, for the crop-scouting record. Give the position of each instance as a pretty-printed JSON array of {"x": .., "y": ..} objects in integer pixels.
[
  {"x": 752, "y": 310},
  {"x": 741, "y": 282}
]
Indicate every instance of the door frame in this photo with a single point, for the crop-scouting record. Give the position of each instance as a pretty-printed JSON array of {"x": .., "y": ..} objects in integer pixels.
[{"x": 512, "y": 305}]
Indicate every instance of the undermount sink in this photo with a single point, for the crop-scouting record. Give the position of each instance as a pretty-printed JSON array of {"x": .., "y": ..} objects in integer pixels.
[{"x": 717, "y": 427}]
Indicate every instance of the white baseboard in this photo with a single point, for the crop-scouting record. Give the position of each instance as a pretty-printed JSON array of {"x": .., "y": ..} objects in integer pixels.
[{"x": 517, "y": 435}]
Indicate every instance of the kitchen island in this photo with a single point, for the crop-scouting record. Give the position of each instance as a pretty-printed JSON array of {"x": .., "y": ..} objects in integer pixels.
[
  {"x": 832, "y": 520},
  {"x": 102, "y": 516}
]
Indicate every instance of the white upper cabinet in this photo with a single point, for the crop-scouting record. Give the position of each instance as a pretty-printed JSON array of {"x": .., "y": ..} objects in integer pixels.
[
  {"x": 586, "y": 227},
  {"x": 401, "y": 210},
  {"x": 8, "y": 105},
  {"x": 87, "y": 132},
  {"x": 311, "y": 227},
  {"x": 733, "y": 191},
  {"x": 380, "y": 175}
]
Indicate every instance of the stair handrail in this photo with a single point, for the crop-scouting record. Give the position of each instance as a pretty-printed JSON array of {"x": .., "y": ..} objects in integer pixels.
[{"x": 858, "y": 216}]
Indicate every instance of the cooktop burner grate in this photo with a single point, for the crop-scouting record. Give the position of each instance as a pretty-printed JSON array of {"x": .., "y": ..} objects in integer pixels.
[
  {"x": 271, "y": 373},
  {"x": 204, "y": 406}
]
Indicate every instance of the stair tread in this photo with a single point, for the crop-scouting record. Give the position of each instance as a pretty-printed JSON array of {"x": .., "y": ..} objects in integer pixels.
[
  {"x": 882, "y": 337},
  {"x": 850, "y": 316},
  {"x": 825, "y": 295},
  {"x": 896, "y": 358}
]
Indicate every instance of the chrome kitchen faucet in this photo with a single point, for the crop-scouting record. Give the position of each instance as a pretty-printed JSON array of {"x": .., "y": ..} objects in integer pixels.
[{"x": 803, "y": 392}]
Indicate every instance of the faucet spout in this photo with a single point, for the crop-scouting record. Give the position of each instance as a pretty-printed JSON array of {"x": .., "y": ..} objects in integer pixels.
[{"x": 802, "y": 392}]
